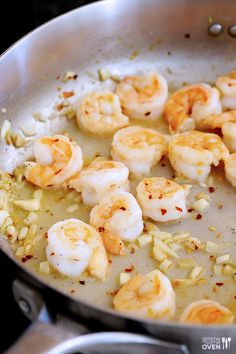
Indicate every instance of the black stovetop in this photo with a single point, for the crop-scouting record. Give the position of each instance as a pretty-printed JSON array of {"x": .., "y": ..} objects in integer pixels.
[{"x": 17, "y": 19}]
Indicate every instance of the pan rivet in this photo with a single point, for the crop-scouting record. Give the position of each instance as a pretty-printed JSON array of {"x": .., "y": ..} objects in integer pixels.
[
  {"x": 215, "y": 29},
  {"x": 232, "y": 31},
  {"x": 24, "y": 306}
]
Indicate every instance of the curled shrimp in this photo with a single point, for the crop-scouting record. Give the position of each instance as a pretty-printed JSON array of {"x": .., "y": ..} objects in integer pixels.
[
  {"x": 226, "y": 84},
  {"x": 99, "y": 178},
  {"x": 162, "y": 199},
  {"x": 138, "y": 148},
  {"x": 74, "y": 246},
  {"x": 118, "y": 218},
  {"x": 230, "y": 169},
  {"x": 206, "y": 312},
  {"x": 143, "y": 97},
  {"x": 226, "y": 123},
  {"x": 192, "y": 153},
  {"x": 100, "y": 113},
  {"x": 149, "y": 295},
  {"x": 186, "y": 108},
  {"x": 57, "y": 160}
]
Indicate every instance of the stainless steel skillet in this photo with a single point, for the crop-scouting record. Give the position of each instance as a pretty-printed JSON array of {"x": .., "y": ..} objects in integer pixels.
[{"x": 171, "y": 36}]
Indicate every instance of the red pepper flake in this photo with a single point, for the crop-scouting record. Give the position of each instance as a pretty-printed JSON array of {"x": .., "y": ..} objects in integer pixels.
[
  {"x": 220, "y": 206},
  {"x": 23, "y": 259},
  {"x": 198, "y": 217},
  {"x": 163, "y": 165},
  {"x": 113, "y": 293},
  {"x": 179, "y": 209},
  {"x": 160, "y": 196},
  {"x": 46, "y": 235},
  {"x": 52, "y": 254},
  {"x": 163, "y": 211},
  {"x": 28, "y": 256},
  {"x": 49, "y": 185},
  {"x": 82, "y": 282},
  {"x": 59, "y": 171},
  {"x": 122, "y": 208},
  {"x": 59, "y": 106},
  {"x": 101, "y": 229},
  {"x": 219, "y": 284},
  {"x": 56, "y": 140},
  {"x": 212, "y": 258},
  {"x": 129, "y": 269},
  {"x": 234, "y": 297},
  {"x": 150, "y": 196},
  {"x": 67, "y": 94},
  {"x": 72, "y": 291},
  {"x": 147, "y": 114},
  {"x": 110, "y": 261},
  {"x": 190, "y": 210},
  {"x": 211, "y": 189}
]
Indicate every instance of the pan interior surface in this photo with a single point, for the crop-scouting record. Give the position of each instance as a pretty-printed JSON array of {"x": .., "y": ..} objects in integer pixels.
[{"x": 141, "y": 38}]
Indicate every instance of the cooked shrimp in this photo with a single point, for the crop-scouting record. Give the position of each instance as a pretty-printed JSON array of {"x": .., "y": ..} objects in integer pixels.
[
  {"x": 227, "y": 86},
  {"x": 57, "y": 160},
  {"x": 226, "y": 122},
  {"x": 117, "y": 217},
  {"x": 206, "y": 312},
  {"x": 188, "y": 106},
  {"x": 149, "y": 295},
  {"x": 161, "y": 199},
  {"x": 230, "y": 169},
  {"x": 101, "y": 177},
  {"x": 192, "y": 153},
  {"x": 100, "y": 113},
  {"x": 143, "y": 97},
  {"x": 74, "y": 246},
  {"x": 138, "y": 148}
]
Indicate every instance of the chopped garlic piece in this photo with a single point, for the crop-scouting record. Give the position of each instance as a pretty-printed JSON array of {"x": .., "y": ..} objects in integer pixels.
[
  {"x": 196, "y": 272},
  {"x": 186, "y": 263},
  {"x": 223, "y": 259},
  {"x": 29, "y": 129},
  {"x": 165, "y": 248},
  {"x": 202, "y": 195},
  {"x": 161, "y": 235},
  {"x": 28, "y": 204},
  {"x": 229, "y": 269},
  {"x": 23, "y": 233},
  {"x": 71, "y": 196},
  {"x": 4, "y": 200},
  {"x": 6, "y": 126},
  {"x": 124, "y": 277},
  {"x": 104, "y": 74},
  {"x": 3, "y": 216},
  {"x": 31, "y": 218},
  {"x": 19, "y": 252},
  {"x": 38, "y": 194},
  {"x": 44, "y": 267},
  {"x": 158, "y": 254},
  {"x": 72, "y": 208},
  {"x": 200, "y": 205},
  {"x": 165, "y": 265},
  {"x": 144, "y": 240},
  {"x": 175, "y": 246},
  {"x": 149, "y": 226},
  {"x": 212, "y": 228},
  {"x": 188, "y": 282},
  {"x": 183, "y": 236}
]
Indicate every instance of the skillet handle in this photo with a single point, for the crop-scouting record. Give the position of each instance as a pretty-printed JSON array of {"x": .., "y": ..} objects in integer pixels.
[{"x": 43, "y": 338}]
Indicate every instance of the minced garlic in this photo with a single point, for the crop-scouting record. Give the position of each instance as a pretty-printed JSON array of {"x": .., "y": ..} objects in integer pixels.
[
  {"x": 124, "y": 277},
  {"x": 144, "y": 240}
]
